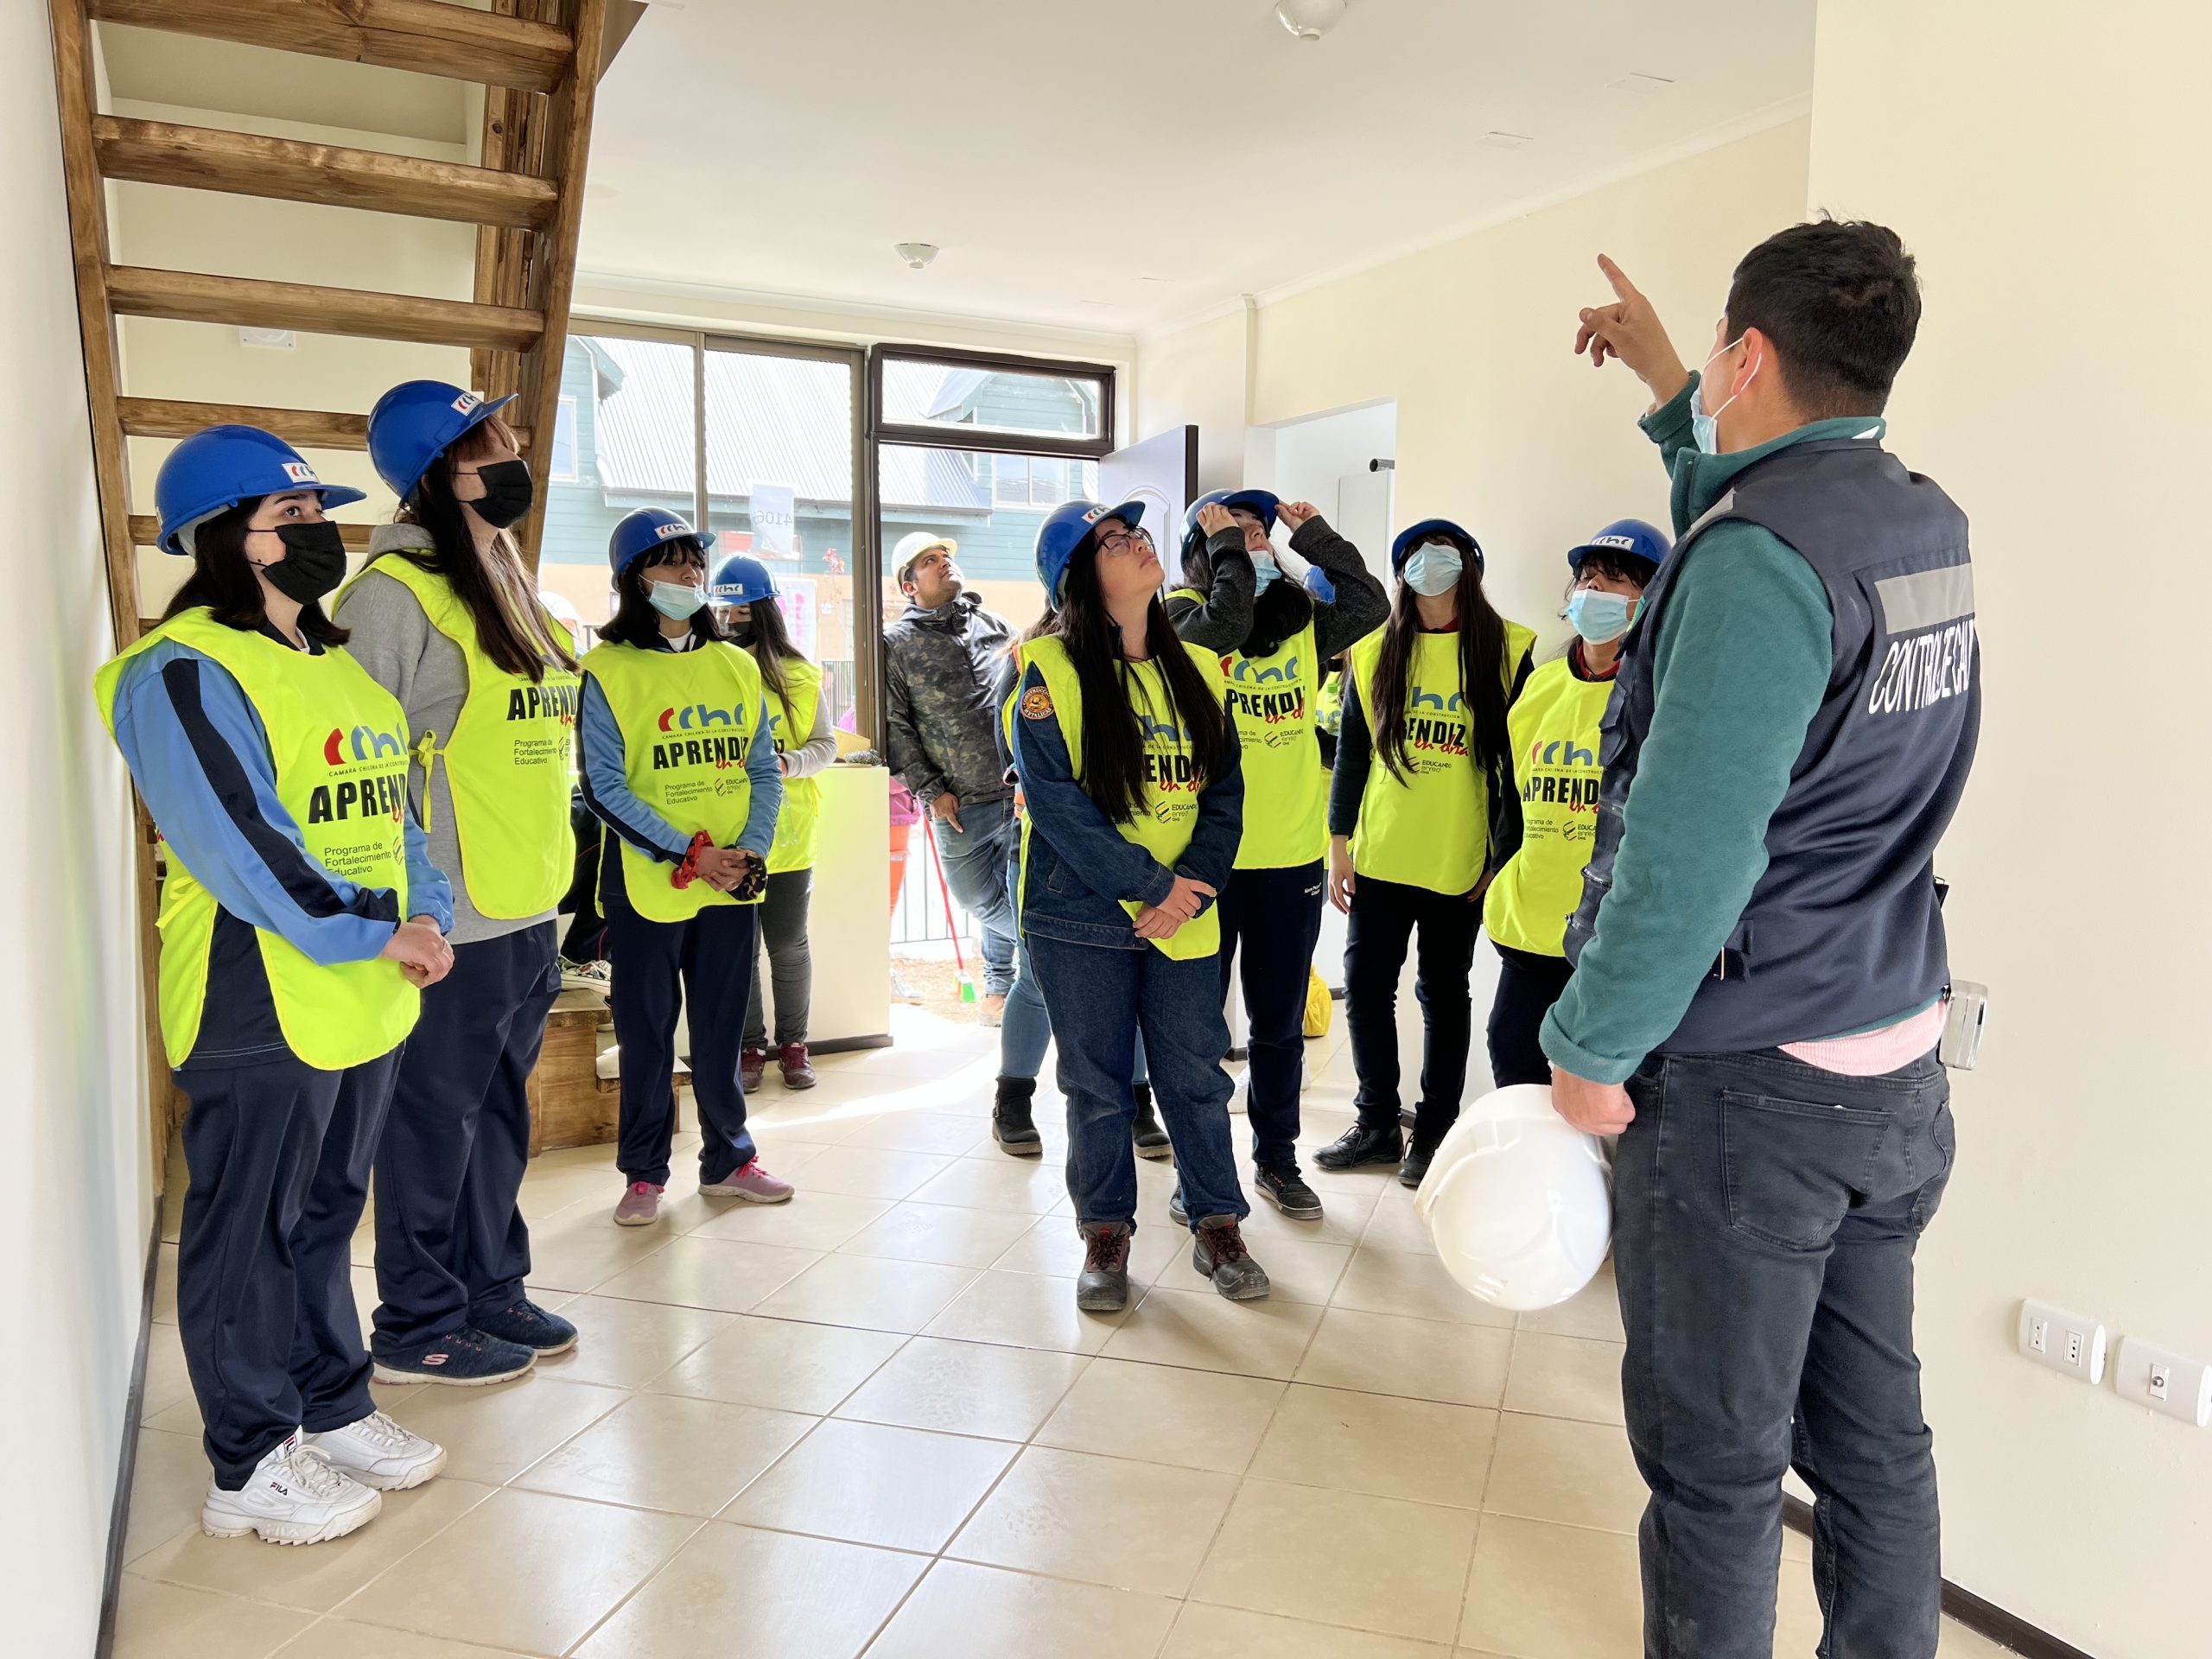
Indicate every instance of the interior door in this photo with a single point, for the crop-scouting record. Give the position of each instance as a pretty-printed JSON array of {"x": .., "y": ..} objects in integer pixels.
[{"x": 1162, "y": 473}]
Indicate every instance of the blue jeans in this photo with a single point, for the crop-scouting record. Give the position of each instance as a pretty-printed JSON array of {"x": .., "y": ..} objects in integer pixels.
[
  {"x": 975, "y": 869},
  {"x": 1027, "y": 1028},
  {"x": 1101, "y": 999},
  {"x": 1766, "y": 1214}
]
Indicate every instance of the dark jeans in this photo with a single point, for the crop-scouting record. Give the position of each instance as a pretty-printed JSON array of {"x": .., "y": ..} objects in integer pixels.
[
  {"x": 450, "y": 1243},
  {"x": 1384, "y": 916},
  {"x": 1101, "y": 999},
  {"x": 1527, "y": 985},
  {"x": 705, "y": 966},
  {"x": 1764, "y": 1217},
  {"x": 975, "y": 869},
  {"x": 1276, "y": 916},
  {"x": 791, "y": 961},
  {"x": 279, "y": 1155}
]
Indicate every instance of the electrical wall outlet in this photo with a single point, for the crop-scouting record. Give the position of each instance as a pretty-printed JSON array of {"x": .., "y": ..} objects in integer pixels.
[
  {"x": 2165, "y": 1381},
  {"x": 2065, "y": 1342}
]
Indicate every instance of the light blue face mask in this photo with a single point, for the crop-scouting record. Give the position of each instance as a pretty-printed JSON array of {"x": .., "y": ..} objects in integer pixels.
[
  {"x": 1434, "y": 567},
  {"x": 1599, "y": 617},
  {"x": 1265, "y": 571},
  {"x": 676, "y": 600},
  {"x": 1705, "y": 430}
]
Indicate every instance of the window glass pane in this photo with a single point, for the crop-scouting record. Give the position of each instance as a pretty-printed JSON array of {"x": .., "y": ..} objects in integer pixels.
[
  {"x": 920, "y": 393},
  {"x": 1010, "y": 480},
  {"x": 564, "y": 443}
]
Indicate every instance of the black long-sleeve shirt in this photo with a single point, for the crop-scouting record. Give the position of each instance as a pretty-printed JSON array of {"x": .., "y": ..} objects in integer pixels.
[{"x": 1222, "y": 621}]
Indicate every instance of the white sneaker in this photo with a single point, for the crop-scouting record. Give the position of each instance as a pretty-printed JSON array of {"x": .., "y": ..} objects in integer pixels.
[
  {"x": 293, "y": 1497},
  {"x": 586, "y": 976},
  {"x": 378, "y": 1453}
]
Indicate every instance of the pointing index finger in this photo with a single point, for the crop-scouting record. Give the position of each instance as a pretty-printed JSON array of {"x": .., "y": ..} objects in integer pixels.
[{"x": 1622, "y": 287}]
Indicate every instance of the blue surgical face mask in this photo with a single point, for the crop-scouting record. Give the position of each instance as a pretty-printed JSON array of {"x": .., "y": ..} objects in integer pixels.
[
  {"x": 1433, "y": 569},
  {"x": 1264, "y": 572},
  {"x": 1599, "y": 617},
  {"x": 1705, "y": 430},
  {"x": 676, "y": 600}
]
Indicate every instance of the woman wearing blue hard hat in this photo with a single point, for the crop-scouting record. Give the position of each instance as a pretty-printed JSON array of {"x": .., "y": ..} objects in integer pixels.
[
  {"x": 1275, "y": 637},
  {"x": 301, "y": 918},
  {"x": 679, "y": 763},
  {"x": 1543, "y": 837},
  {"x": 1128, "y": 768},
  {"x": 446, "y": 619},
  {"x": 1422, "y": 763},
  {"x": 745, "y": 599}
]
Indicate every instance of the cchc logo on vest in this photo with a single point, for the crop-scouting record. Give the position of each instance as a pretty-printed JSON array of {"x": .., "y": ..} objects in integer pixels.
[
  {"x": 1265, "y": 707},
  {"x": 1560, "y": 771},
  {"x": 1441, "y": 733},
  {"x": 709, "y": 749},
  {"x": 1165, "y": 769},
  {"x": 372, "y": 775}
]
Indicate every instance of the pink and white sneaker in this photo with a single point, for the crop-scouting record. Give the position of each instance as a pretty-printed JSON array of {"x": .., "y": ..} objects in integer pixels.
[
  {"x": 750, "y": 1182},
  {"x": 640, "y": 1206}
]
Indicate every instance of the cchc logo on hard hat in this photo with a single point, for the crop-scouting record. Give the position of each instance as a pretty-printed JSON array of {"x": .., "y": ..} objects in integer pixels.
[
  {"x": 467, "y": 401},
  {"x": 667, "y": 532},
  {"x": 1626, "y": 542},
  {"x": 300, "y": 473}
]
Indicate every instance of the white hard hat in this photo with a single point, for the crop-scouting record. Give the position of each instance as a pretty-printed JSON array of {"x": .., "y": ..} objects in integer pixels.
[
  {"x": 1518, "y": 1201},
  {"x": 919, "y": 542},
  {"x": 564, "y": 612}
]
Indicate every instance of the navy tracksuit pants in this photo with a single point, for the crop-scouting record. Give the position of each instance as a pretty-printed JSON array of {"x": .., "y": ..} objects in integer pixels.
[
  {"x": 1270, "y": 925},
  {"x": 279, "y": 1154},
  {"x": 450, "y": 1243}
]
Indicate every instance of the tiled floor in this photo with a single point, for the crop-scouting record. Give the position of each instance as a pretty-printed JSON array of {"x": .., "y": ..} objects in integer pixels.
[{"x": 872, "y": 1422}]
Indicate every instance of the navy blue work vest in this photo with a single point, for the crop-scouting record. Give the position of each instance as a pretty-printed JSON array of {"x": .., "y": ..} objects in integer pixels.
[{"x": 1843, "y": 930}]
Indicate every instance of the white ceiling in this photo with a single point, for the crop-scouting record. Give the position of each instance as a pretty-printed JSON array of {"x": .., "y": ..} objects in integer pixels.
[{"x": 1123, "y": 165}]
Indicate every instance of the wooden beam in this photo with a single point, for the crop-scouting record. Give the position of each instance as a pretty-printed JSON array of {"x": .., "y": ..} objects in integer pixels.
[
  {"x": 192, "y": 296},
  {"x": 514, "y": 142},
  {"x": 145, "y": 529},
  {"x": 424, "y": 35},
  {"x": 246, "y": 164},
  {"x": 307, "y": 429}
]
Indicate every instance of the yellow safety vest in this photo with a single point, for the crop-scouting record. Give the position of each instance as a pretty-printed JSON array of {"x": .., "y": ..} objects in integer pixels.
[
  {"x": 1286, "y": 790},
  {"x": 339, "y": 742},
  {"x": 510, "y": 761},
  {"x": 687, "y": 720},
  {"x": 1554, "y": 725},
  {"x": 1170, "y": 812},
  {"x": 790, "y": 718},
  {"x": 1433, "y": 830}
]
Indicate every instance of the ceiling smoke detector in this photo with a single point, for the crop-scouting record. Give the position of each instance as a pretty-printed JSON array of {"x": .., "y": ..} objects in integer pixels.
[
  {"x": 916, "y": 254},
  {"x": 1309, "y": 19}
]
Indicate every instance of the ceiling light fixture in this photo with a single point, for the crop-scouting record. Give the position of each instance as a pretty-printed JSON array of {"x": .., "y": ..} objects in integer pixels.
[
  {"x": 916, "y": 254},
  {"x": 1648, "y": 85},
  {"x": 1507, "y": 140},
  {"x": 1309, "y": 19}
]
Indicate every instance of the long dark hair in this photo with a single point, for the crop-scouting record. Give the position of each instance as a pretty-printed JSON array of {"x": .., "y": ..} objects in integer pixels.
[
  {"x": 1112, "y": 762},
  {"x": 1276, "y": 614},
  {"x": 772, "y": 645},
  {"x": 635, "y": 622},
  {"x": 1482, "y": 676},
  {"x": 494, "y": 588},
  {"x": 222, "y": 579}
]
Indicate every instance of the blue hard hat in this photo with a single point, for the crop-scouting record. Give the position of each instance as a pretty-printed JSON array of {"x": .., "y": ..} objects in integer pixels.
[
  {"x": 219, "y": 466},
  {"x": 1067, "y": 527},
  {"x": 415, "y": 423},
  {"x": 647, "y": 528},
  {"x": 1629, "y": 535},
  {"x": 741, "y": 581},
  {"x": 1262, "y": 502},
  {"x": 1401, "y": 550}
]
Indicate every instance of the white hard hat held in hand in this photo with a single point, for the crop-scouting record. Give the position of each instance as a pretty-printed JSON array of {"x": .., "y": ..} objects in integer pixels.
[{"x": 1518, "y": 1201}]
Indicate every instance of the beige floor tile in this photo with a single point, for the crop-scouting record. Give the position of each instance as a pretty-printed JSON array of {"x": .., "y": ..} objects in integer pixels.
[
  {"x": 1342, "y": 1221},
  {"x": 525, "y": 1570},
  {"x": 1202, "y": 1329},
  {"x": 627, "y": 1344},
  {"x": 729, "y": 1275},
  {"x": 1209, "y": 1632},
  {"x": 1565, "y": 1376},
  {"x": 1069, "y": 1515},
  {"x": 1959, "y": 1642},
  {"x": 546, "y": 1192},
  {"x": 168, "y": 1384},
  {"x": 936, "y": 1132},
  {"x": 943, "y": 1233},
  {"x": 1025, "y": 1185},
  {"x": 966, "y": 1387},
  {"x": 1395, "y": 1227},
  {"x": 1373, "y": 1443},
  {"x": 665, "y": 1451},
  {"x": 1577, "y": 1474},
  {"x": 1300, "y": 1270},
  {"x": 1025, "y": 1310},
  {"x": 1542, "y": 1592},
  {"x": 582, "y": 1249},
  {"x": 342, "y": 1638},
  {"x": 167, "y": 1489},
  {"x": 868, "y": 1291},
  {"x": 169, "y": 1621},
  {"x": 1163, "y": 1414},
  {"x": 1341, "y": 1558},
  {"x": 1411, "y": 1287},
  {"x": 873, "y": 1172},
  {"x": 963, "y": 1612},
  {"x": 736, "y": 1593},
  {"x": 493, "y": 1435},
  {"x": 781, "y": 1364},
  {"x": 1053, "y": 1246},
  {"x": 165, "y": 1284},
  {"x": 315, "y": 1580},
  {"x": 1594, "y": 1313},
  {"x": 812, "y": 1221},
  {"x": 1424, "y": 1359},
  {"x": 865, "y": 1483}
]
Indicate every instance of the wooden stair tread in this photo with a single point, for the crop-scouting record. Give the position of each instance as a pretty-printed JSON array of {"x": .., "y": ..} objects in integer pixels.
[
  {"x": 247, "y": 301},
  {"x": 307, "y": 429}
]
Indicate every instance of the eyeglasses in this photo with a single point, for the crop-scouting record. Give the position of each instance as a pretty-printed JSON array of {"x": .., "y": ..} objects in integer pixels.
[{"x": 1121, "y": 540}]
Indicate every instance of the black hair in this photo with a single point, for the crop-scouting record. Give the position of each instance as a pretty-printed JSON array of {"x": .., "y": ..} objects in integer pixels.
[
  {"x": 1840, "y": 300},
  {"x": 1484, "y": 682},
  {"x": 222, "y": 579},
  {"x": 1615, "y": 565},
  {"x": 1276, "y": 614},
  {"x": 635, "y": 622},
  {"x": 492, "y": 586},
  {"x": 1111, "y": 767},
  {"x": 771, "y": 645}
]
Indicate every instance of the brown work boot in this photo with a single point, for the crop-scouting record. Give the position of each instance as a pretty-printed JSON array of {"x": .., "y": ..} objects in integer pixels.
[
  {"x": 798, "y": 1074},
  {"x": 1103, "y": 1286},
  {"x": 1218, "y": 1254}
]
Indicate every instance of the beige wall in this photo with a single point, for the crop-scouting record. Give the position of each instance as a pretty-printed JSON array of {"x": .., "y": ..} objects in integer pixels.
[
  {"x": 74, "y": 1197},
  {"x": 2048, "y": 174}
]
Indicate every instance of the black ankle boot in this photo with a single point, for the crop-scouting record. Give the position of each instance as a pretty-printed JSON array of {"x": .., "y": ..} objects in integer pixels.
[
  {"x": 1013, "y": 1125},
  {"x": 1151, "y": 1140}
]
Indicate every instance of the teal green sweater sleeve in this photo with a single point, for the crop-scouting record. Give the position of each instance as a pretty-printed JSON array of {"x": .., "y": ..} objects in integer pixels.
[{"x": 1744, "y": 650}]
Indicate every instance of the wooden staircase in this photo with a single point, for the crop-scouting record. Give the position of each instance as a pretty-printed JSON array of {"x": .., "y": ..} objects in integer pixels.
[{"x": 539, "y": 60}]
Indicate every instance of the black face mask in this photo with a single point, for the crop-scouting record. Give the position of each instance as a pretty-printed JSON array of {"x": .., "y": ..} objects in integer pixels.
[
  {"x": 313, "y": 561},
  {"x": 508, "y": 492},
  {"x": 740, "y": 633}
]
